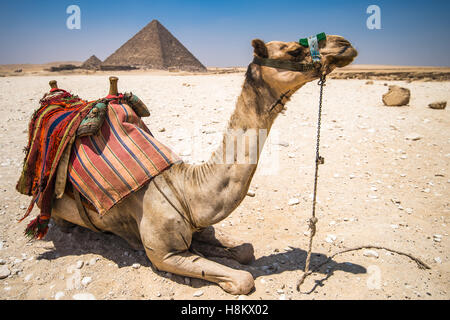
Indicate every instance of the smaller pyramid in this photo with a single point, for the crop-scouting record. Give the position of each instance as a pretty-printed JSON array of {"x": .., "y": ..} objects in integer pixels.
[{"x": 93, "y": 63}]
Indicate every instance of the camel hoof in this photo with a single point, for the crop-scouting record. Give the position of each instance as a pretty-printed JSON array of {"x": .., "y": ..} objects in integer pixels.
[
  {"x": 244, "y": 254},
  {"x": 243, "y": 283}
]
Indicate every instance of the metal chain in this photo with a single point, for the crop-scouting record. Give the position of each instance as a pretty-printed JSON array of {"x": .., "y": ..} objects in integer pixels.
[{"x": 319, "y": 160}]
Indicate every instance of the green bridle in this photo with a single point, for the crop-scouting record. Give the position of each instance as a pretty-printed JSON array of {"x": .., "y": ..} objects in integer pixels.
[{"x": 311, "y": 42}]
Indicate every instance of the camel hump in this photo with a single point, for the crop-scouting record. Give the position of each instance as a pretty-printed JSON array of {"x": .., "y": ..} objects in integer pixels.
[{"x": 113, "y": 86}]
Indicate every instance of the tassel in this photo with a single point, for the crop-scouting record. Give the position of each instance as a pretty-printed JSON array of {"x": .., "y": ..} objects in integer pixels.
[{"x": 37, "y": 228}]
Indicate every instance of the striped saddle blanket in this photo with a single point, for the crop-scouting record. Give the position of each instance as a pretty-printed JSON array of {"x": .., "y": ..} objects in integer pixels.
[{"x": 120, "y": 159}]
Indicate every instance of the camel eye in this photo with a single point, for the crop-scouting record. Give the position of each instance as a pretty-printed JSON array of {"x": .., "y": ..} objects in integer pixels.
[{"x": 296, "y": 53}]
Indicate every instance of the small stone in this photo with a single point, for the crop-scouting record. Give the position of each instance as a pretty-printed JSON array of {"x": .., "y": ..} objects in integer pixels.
[
  {"x": 93, "y": 261},
  {"x": 4, "y": 272},
  {"x": 59, "y": 295},
  {"x": 83, "y": 296},
  {"x": 162, "y": 130},
  {"x": 79, "y": 264},
  {"x": 198, "y": 293},
  {"x": 438, "y": 105},
  {"x": 413, "y": 137},
  {"x": 438, "y": 260},
  {"x": 158, "y": 294},
  {"x": 28, "y": 277},
  {"x": 280, "y": 291},
  {"x": 330, "y": 238},
  {"x": 370, "y": 253},
  {"x": 136, "y": 266},
  {"x": 293, "y": 202},
  {"x": 251, "y": 193},
  {"x": 409, "y": 210},
  {"x": 86, "y": 281},
  {"x": 394, "y": 226}
]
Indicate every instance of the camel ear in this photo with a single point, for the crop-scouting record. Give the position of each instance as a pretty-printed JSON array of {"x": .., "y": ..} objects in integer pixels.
[{"x": 260, "y": 48}]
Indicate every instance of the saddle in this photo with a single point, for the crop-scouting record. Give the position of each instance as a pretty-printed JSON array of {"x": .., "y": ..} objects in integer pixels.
[{"x": 60, "y": 120}]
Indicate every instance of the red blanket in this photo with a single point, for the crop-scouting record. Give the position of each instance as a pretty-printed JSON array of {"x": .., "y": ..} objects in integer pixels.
[
  {"x": 51, "y": 128},
  {"x": 120, "y": 159}
]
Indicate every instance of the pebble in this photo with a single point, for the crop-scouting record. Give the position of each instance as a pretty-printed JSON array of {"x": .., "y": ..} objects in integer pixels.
[
  {"x": 293, "y": 201},
  {"x": 28, "y": 277},
  {"x": 136, "y": 266},
  {"x": 79, "y": 264},
  {"x": 251, "y": 193},
  {"x": 330, "y": 238},
  {"x": 438, "y": 260},
  {"x": 2, "y": 261},
  {"x": 4, "y": 272},
  {"x": 59, "y": 295},
  {"x": 83, "y": 296},
  {"x": 409, "y": 210},
  {"x": 93, "y": 261},
  {"x": 413, "y": 137},
  {"x": 370, "y": 253},
  {"x": 394, "y": 226},
  {"x": 198, "y": 293},
  {"x": 86, "y": 281}
]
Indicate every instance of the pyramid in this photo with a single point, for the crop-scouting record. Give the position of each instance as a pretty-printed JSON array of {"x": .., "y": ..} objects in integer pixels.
[
  {"x": 154, "y": 47},
  {"x": 93, "y": 63}
]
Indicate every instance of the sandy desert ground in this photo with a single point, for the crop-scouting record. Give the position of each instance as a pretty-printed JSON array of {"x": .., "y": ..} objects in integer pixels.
[{"x": 385, "y": 182}]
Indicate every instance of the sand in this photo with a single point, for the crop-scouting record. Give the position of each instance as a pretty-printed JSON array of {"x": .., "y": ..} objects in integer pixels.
[{"x": 378, "y": 186}]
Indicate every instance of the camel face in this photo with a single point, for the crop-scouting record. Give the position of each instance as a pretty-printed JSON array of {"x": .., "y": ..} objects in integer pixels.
[{"x": 336, "y": 52}]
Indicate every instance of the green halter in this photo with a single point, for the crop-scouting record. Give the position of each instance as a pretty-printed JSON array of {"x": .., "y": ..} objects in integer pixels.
[{"x": 311, "y": 42}]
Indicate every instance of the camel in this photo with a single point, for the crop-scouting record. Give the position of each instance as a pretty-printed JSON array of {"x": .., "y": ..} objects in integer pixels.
[{"x": 172, "y": 217}]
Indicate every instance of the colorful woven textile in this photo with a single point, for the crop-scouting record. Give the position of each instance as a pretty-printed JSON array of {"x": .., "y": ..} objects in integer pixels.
[
  {"x": 121, "y": 158},
  {"x": 50, "y": 130}
]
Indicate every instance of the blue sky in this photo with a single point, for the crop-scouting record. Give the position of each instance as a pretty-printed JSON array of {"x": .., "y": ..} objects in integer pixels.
[{"x": 219, "y": 33}]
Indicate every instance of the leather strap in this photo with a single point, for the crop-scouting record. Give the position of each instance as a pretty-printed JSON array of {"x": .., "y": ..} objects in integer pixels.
[
  {"x": 286, "y": 64},
  {"x": 83, "y": 213}
]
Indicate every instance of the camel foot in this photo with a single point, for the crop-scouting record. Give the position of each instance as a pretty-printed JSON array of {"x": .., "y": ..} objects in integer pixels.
[{"x": 242, "y": 283}]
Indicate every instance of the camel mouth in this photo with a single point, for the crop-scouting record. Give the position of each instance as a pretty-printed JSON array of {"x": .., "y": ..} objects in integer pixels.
[{"x": 345, "y": 57}]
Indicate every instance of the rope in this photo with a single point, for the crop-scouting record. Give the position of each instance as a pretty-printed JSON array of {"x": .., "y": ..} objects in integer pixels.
[
  {"x": 313, "y": 220},
  {"x": 319, "y": 160}
]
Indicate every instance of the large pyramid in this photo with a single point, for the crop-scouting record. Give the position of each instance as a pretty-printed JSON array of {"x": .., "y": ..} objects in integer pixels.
[{"x": 154, "y": 47}]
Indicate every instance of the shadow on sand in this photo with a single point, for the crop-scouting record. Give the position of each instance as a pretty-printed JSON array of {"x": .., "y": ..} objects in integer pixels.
[{"x": 80, "y": 241}]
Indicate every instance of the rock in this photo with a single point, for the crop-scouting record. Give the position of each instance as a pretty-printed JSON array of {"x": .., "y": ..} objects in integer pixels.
[
  {"x": 28, "y": 277},
  {"x": 396, "y": 96},
  {"x": 136, "y": 266},
  {"x": 413, "y": 137},
  {"x": 59, "y": 295},
  {"x": 86, "y": 281},
  {"x": 409, "y": 210},
  {"x": 438, "y": 260},
  {"x": 162, "y": 130},
  {"x": 4, "y": 272},
  {"x": 369, "y": 82},
  {"x": 79, "y": 264},
  {"x": 83, "y": 296},
  {"x": 198, "y": 293},
  {"x": 438, "y": 105},
  {"x": 370, "y": 253},
  {"x": 93, "y": 261},
  {"x": 251, "y": 193},
  {"x": 293, "y": 202},
  {"x": 330, "y": 238}
]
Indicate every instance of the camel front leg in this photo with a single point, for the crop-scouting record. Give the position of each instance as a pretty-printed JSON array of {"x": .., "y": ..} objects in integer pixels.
[
  {"x": 212, "y": 242},
  {"x": 191, "y": 265}
]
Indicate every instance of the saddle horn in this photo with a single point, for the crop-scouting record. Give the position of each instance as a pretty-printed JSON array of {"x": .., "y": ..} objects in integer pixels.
[
  {"x": 113, "y": 86},
  {"x": 53, "y": 84}
]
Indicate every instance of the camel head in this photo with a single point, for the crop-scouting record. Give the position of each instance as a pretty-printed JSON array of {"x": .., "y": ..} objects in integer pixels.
[{"x": 335, "y": 51}]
